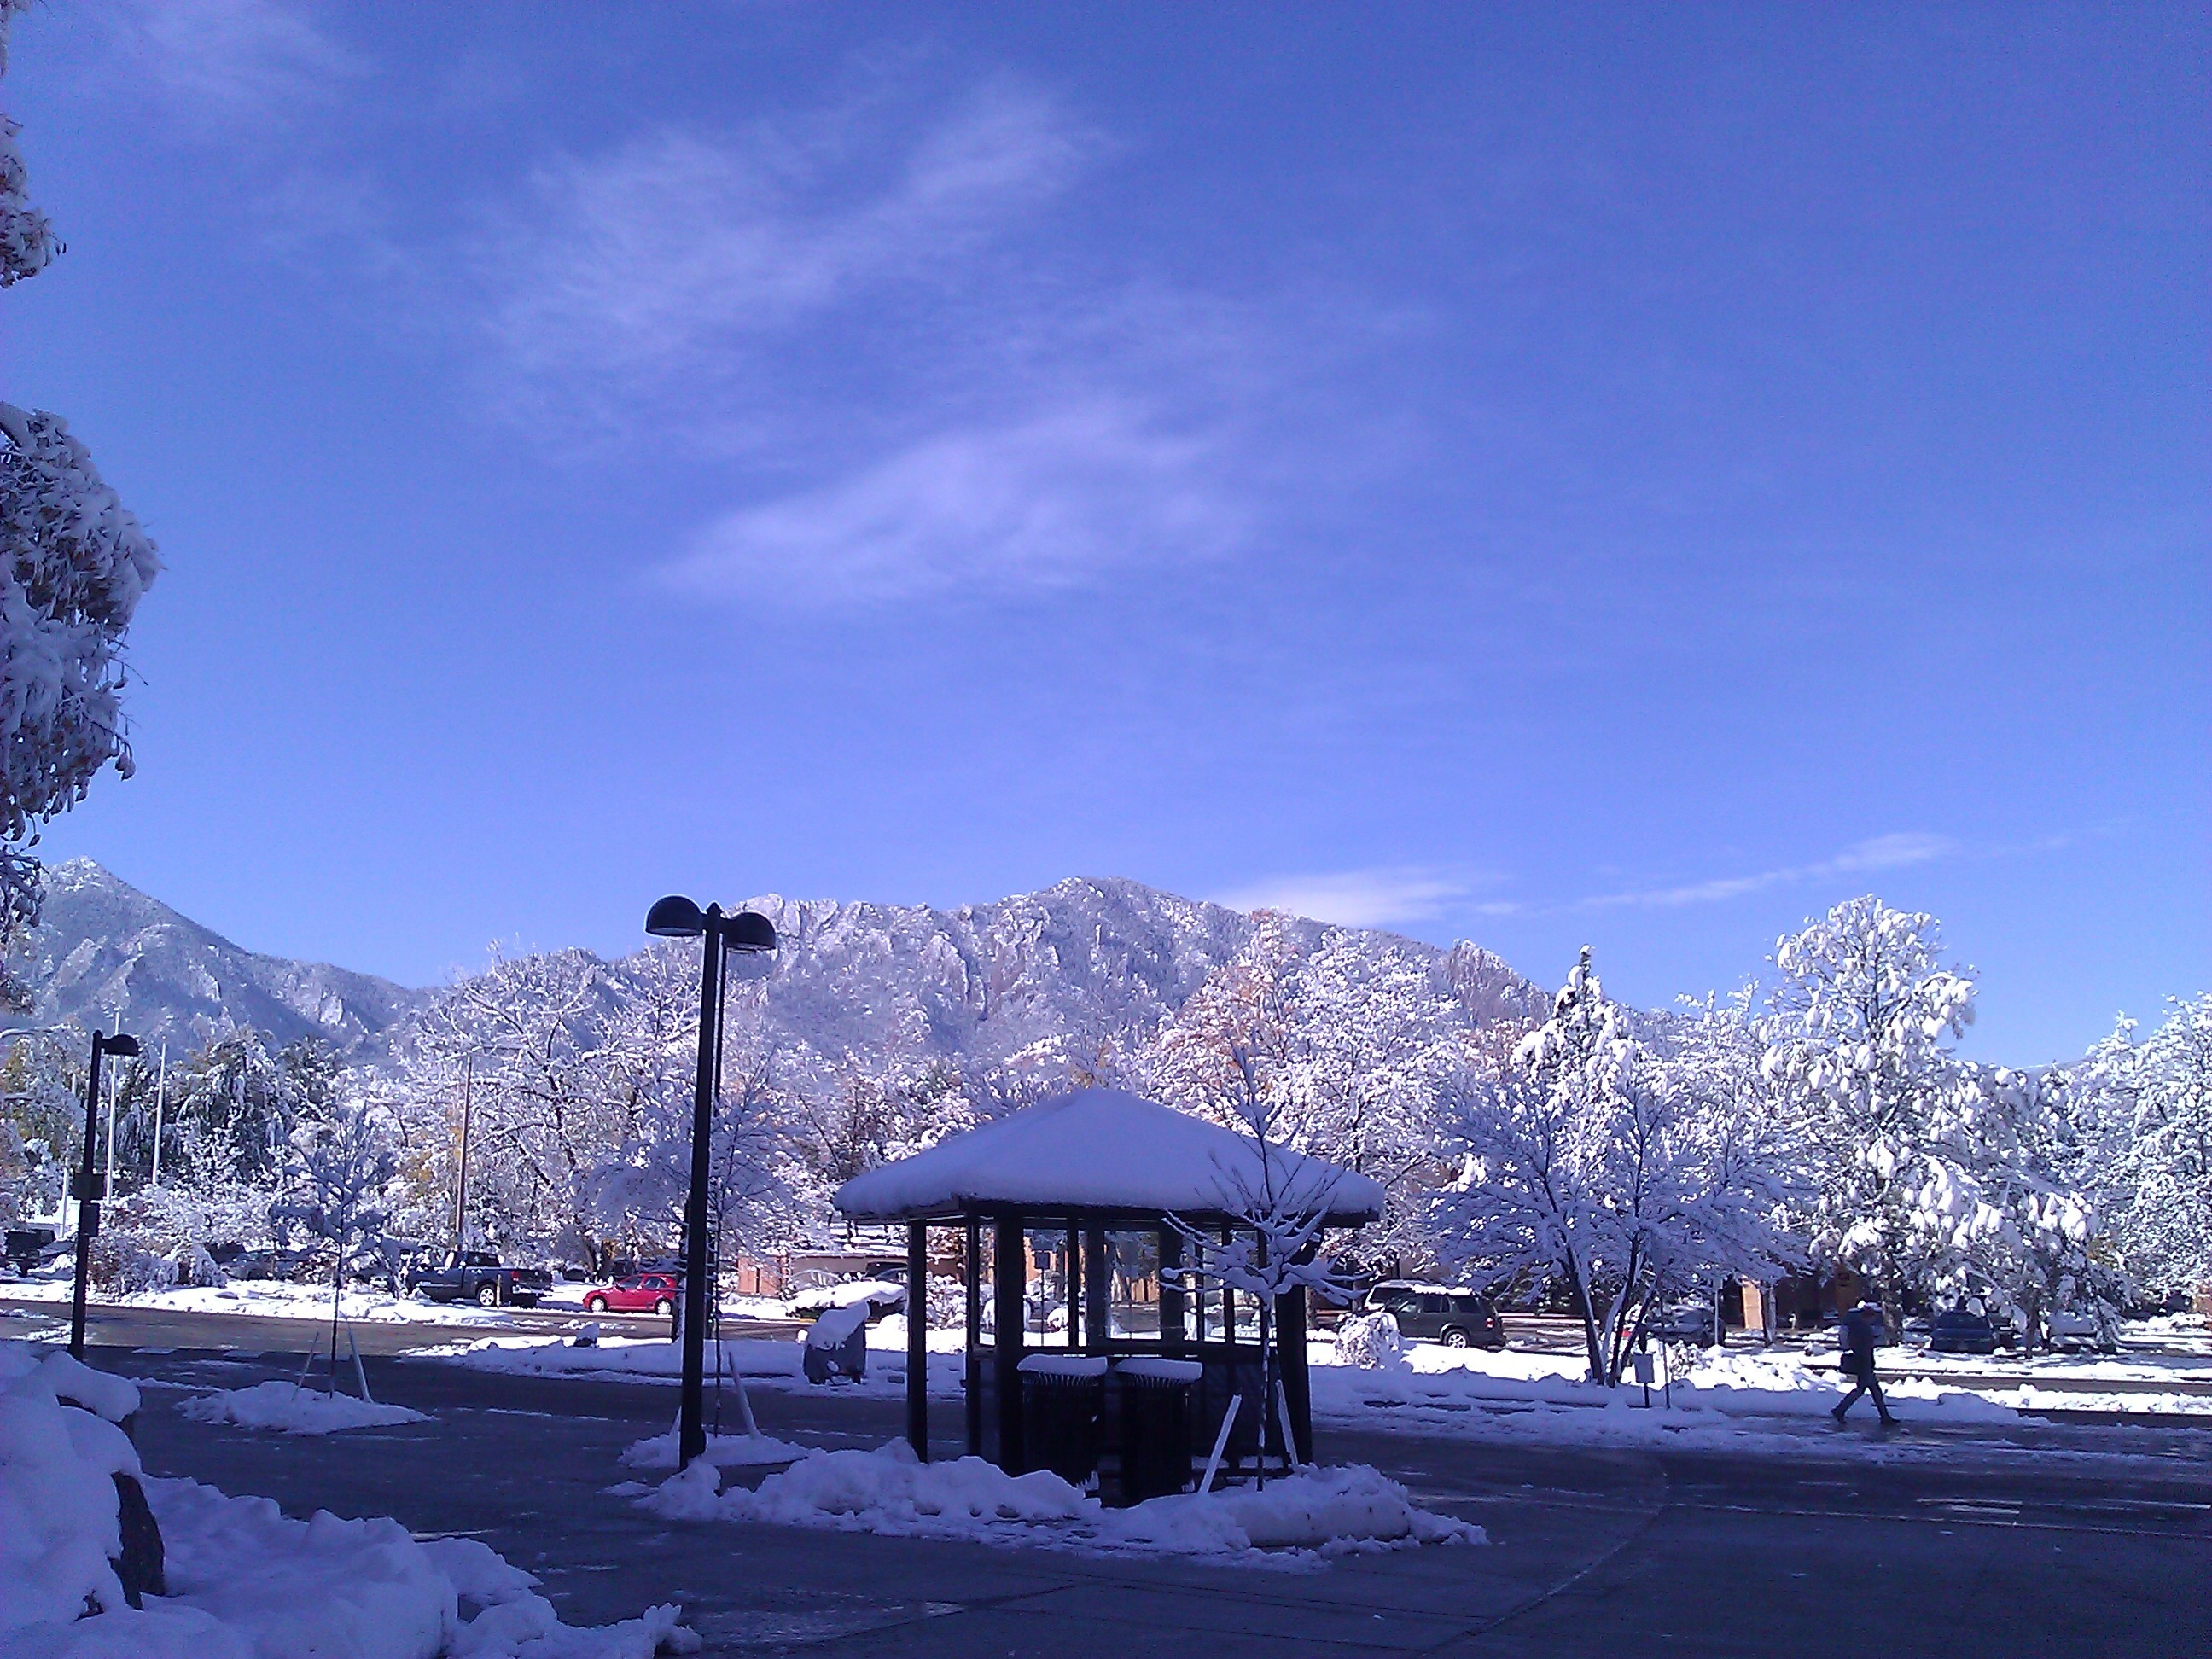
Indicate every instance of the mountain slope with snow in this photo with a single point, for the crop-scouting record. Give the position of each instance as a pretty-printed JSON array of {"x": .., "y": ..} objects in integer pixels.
[
  {"x": 1082, "y": 962},
  {"x": 105, "y": 954}
]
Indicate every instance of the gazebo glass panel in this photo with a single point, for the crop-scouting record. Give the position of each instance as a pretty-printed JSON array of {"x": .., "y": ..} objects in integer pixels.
[
  {"x": 1132, "y": 1304},
  {"x": 1045, "y": 1305}
]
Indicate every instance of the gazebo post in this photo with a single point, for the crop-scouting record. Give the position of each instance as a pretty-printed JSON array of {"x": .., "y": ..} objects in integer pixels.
[
  {"x": 1098, "y": 1290},
  {"x": 1297, "y": 1387},
  {"x": 973, "y": 1360},
  {"x": 917, "y": 1337},
  {"x": 1008, "y": 1271},
  {"x": 1073, "y": 1281},
  {"x": 1175, "y": 1324}
]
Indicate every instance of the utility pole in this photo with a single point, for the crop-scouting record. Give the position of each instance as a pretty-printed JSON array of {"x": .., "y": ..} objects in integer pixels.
[
  {"x": 161, "y": 1099},
  {"x": 461, "y": 1185}
]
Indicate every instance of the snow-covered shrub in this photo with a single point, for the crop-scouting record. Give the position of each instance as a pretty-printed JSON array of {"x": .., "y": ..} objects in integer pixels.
[
  {"x": 194, "y": 1266},
  {"x": 121, "y": 1262},
  {"x": 948, "y": 1303},
  {"x": 1371, "y": 1341}
]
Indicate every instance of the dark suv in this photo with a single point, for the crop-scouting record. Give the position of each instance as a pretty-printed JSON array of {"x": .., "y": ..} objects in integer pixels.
[{"x": 1436, "y": 1313}]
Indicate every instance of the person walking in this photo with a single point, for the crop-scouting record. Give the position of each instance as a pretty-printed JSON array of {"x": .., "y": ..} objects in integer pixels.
[{"x": 1857, "y": 1362}]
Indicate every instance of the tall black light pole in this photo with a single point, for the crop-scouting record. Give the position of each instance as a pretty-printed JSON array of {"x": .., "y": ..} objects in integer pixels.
[
  {"x": 750, "y": 936},
  {"x": 90, "y": 1186}
]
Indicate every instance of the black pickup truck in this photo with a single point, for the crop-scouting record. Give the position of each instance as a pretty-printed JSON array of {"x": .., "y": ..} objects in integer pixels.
[{"x": 477, "y": 1276}]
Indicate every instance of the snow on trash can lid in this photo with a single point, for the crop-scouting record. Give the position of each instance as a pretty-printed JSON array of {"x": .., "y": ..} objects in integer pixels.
[
  {"x": 1064, "y": 1367},
  {"x": 836, "y": 1328},
  {"x": 1146, "y": 1368}
]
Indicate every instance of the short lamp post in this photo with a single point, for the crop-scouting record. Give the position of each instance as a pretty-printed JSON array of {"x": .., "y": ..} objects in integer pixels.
[
  {"x": 749, "y": 936},
  {"x": 90, "y": 1186}
]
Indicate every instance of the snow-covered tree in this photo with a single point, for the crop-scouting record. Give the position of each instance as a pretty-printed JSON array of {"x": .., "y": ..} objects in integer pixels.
[
  {"x": 2008, "y": 1210},
  {"x": 1277, "y": 1211},
  {"x": 2151, "y": 1104},
  {"x": 1858, "y": 1028},
  {"x": 233, "y": 1106},
  {"x": 1586, "y": 1160},
  {"x": 74, "y": 563},
  {"x": 1343, "y": 1042},
  {"x": 28, "y": 243}
]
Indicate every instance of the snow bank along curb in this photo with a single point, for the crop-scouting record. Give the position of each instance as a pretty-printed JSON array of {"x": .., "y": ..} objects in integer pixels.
[
  {"x": 242, "y": 1580},
  {"x": 294, "y": 1409},
  {"x": 1304, "y": 1518}
]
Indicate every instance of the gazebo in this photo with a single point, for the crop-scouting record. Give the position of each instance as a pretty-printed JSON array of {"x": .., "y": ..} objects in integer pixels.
[{"x": 1069, "y": 1202}]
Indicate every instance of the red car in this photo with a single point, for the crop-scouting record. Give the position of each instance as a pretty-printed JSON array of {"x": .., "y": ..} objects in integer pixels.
[{"x": 638, "y": 1293}]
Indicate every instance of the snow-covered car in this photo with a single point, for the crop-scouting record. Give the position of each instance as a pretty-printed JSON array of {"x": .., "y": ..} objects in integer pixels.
[
  {"x": 2073, "y": 1332},
  {"x": 637, "y": 1293},
  {"x": 881, "y": 1295}
]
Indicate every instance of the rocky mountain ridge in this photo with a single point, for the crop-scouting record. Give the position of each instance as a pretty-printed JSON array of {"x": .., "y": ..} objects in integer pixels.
[{"x": 1085, "y": 960}]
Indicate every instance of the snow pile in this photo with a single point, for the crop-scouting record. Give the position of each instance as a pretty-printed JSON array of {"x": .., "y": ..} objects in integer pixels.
[
  {"x": 1334, "y": 1511},
  {"x": 724, "y": 1452},
  {"x": 59, "y": 1526},
  {"x": 1370, "y": 1342},
  {"x": 243, "y": 1581},
  {"x": 294, "y": 1409},
  {"x": 888, "y": 1491}
]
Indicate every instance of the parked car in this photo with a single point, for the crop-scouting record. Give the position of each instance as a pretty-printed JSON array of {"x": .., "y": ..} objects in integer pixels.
[
  {"x": 480, "y": 1277},
  {"x": 1682, "y": 1321},
  {"x": 287, "y": 1265},
  {"x": 1961, "y": 1330},
  {"x": 1438, "y": 1313},
  {"x": 882, "y": 1296},
  {"x": 30, "y": 1247},
  {"x": 637, "y": 1293}
]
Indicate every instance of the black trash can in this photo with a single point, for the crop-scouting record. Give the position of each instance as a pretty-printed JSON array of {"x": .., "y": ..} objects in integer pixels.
[
  {"x": 1151, "y": 1453},
  {"x": 1063, "y": 1402}
]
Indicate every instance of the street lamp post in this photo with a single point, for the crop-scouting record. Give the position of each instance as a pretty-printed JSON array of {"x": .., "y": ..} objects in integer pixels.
[
  {"x": 750, "y": 936},
  {"x": 90, "y": 1186}
]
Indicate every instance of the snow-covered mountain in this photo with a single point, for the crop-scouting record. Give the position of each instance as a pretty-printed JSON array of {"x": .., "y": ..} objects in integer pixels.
[
  {"x": 105, "y": 953},
  {"x": 1084, "y": 959},
  {"x": 1081, "y": 961}
]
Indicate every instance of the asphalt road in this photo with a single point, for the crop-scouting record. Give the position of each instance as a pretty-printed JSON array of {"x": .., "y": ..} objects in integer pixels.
[{"x": 2051, "y": 1541}]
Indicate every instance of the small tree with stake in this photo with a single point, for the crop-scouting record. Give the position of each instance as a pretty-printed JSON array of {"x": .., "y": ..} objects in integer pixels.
[
  {"x": 1277, "y": 1212},
  {"x": 341, "y": 1177}
]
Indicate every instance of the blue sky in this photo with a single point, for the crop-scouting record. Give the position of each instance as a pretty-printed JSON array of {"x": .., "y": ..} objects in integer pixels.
[{"x": 1539, "y": 475}]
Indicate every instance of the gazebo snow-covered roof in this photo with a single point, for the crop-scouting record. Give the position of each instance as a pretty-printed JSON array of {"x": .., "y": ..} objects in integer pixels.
[{"x": 1098, "y": 1150}]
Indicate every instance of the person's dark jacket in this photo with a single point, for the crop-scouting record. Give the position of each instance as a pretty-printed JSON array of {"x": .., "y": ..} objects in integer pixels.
[{"x": 1858, "y": 1345}]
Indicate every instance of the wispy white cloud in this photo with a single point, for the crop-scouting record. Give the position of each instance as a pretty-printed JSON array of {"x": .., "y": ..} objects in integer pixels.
[
  {"x": 859, "y": 307},
  {"x": 219, "y": 63},
  {"x": 1362, "y": 898},
  {"x": 667, "y": 265},
  {"x": 1040, "y": 503},
  {"x": 1890, "y": 852}
]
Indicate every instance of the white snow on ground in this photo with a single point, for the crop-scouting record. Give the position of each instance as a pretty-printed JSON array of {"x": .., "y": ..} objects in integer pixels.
[
  {"x": 762, "y": 1362},
  {"x": 724, "y": 1452},
  {"x": 274, "y": 1298},
  {"x": 293, "y": 1409},
  {"x": 244, "y": 1581},
  {"x": 1298, "y": 1520}
]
